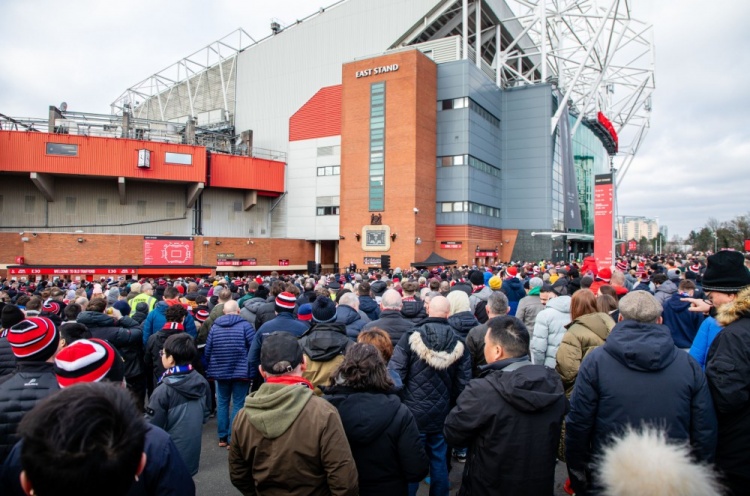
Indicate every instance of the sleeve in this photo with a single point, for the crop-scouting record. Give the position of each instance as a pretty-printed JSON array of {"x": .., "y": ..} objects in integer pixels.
[
  {"x": 207, "y": 403},
  {"x": 699, "y": 349},
  {"x": 253, "y": 356},
  {"x": 399, "y": 362},
  {"x": 156, "y": 412},
  {"x": 240, "y": 471},
  {"x": 539, "y": 339},
  {"x": 249, "y": 336},
  {"x": 472, "y": 343},
  {"x": 728, "y": 373},
  {"x": 703, "y": 424},
  {"x": 208, "y": 349},
  {"x": 468, "y": 417},
  {"x": 569, "y": 356},
  {"x": 579, "y": 426},
  {"x": 190, "y": 326},
  {"x": 167, "y": 474},
  {"x": 413, "y": 460},
  {"x": 463, "y": 376},
  {"x": 336, "y": 455},
  {"x": 128, "y": 322},
  {"x": 148, "y": 328},
  {"x": 10, "y": 471},
  {"x": 148, "y": 359}
]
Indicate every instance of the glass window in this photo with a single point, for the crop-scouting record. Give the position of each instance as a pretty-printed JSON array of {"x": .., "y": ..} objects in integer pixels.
[
  {"x": 458, "y": 207},
  {"x": 446, "y": 207}
]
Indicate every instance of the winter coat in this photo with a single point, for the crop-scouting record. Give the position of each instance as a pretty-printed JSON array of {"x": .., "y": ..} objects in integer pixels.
[
  {"x": 480, "y": 310},
  {"x": 284, "y": 322},
  {"x": 462, "y": 323},
  {"x": 216, "y": 312},
  {"x": 703, "y": 340},
  {"x": 351, "y": 319},
  {"x": 414, "y": 311},
  {"x": 583, "y": 335},
  {"x": 165, "y": 474},
  {"x": 475, "y": 345},
  {"x": 7, "y": 358},
  {"x": 637, "y": 376},
  {"x": 435, "y": 367},
  {"x": 181, "y": 405},
  {"x": 683, "y": 323},
  {"x": 384, "y": 440},
  {"x": 370, "y": 307},
  {"x": 155, "y": 344},
  {"x": 250, "y": 309},
  {"x": 30, "y": 384},
  {"x": 125, "y": 335},
  {"x": 287, "y": 441},
  {"x": 266, "y": 312},
  {"x": 665, "y": 291},
  {"x": 510, "y": 418},
  {"x": 392, "y": 322},
  {"x": 528, "y": 308},
  {"x": 549, "y": 330},
  {"x": 728, "y": 372},
  {"x": 325, "y": 346},
  {"x": 513, "y": 289},
  {"x": 158, "y": 317},
  {"x": 227, "y": 348}
]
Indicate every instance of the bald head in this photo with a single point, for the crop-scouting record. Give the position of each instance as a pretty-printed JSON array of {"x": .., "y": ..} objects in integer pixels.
[
  {"x": 439, "y": 307},
  {"x": 391, "y": 300},
  {"x": 231, "y": 307}
]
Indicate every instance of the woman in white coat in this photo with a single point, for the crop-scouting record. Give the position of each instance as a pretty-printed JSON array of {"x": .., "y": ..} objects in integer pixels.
[{"x": 549, "y": 328}]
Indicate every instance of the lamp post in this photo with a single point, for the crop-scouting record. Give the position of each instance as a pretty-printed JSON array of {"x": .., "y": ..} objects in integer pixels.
[{"x": 716, "y": 241}]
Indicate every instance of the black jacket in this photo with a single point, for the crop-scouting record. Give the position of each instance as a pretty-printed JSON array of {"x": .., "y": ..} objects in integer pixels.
[
  {"x": 434, "y": 366},
  {"x": 7, "y": 358},
  {"x": 265, "y": 312},
  {"x": 32, "y": 382},
  {"x": 384, "y": 439},
  {"x": 414, "y": 311},
  {"x": 392, "y": 322},
  {"x": 152, "y": 355},
  {"x": 126, "y": 336},
  {"x": 462, "y": 323},
  {"x": 323, "y": 342},
  {"x": 637, "y": 376},
  {"x": 728, "y": 372},
  {"x": 510, "y": 417}
]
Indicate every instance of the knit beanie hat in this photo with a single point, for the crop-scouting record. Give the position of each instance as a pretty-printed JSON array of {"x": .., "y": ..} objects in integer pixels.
[
  {"x": 142, "y": 307},
  {"x": 304, "y": 312},
  {"x": 726, "y": 273},
  {"x": 34, "y": 339},
  {"x": 88, "y": 360},
  {"x": 605, "y": 274},
  {"x": 495, "y": 283},
  {"x": 323, "y": 310},
  {"x": 512, "y": 271},
  {"x": 122, "y": 306},
  {"x": 11, "y": 315},
  {"x": 476, "y": 278},
  {"x": 201, "y": 313},
  {"x": 621, "y": 266},
  {"x": 285, "y": 302},
  {"x": 53, "y": 307}
]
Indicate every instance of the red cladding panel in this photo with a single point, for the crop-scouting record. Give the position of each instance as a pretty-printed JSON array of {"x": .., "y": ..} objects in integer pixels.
[
  {"x": 319, "y": 117},
  {"x": 232, "y": 171}
]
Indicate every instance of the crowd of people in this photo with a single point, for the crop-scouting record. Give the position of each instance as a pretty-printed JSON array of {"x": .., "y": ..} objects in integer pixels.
[{"x": 636, "y": 376}]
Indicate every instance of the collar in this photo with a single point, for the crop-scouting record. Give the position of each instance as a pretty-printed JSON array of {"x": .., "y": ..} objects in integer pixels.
[
  {"x": 505, "y": 364},
  {"x": 173, "y": 326},
  {"x": 289, "y": 380},
  {"x": 477, "y": 289},
  {"x": 176, "y": 370}
]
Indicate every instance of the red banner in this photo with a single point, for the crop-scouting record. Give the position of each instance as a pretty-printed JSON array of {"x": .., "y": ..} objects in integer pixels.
[
  {"x": 485, "y": 254},
  {"x": 284, "y": 262},
  {"x": 451, "y": 245},
  {"x": 247, "y": 262},
  {"x": 49, "y": 271},
  {"x": 170, "y": 250},
  {"x": 747, "y": 245},
  {"x": 603, "y": 220},
  {"x": 632, "y": 245}
]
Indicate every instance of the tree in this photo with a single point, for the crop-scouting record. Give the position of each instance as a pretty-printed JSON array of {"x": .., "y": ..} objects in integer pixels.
[{"x": 645, "y": 246}]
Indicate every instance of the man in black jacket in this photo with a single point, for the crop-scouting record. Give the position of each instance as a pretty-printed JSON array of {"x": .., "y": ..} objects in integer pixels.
[
  {"x": 510, "y": 417},
  {"x": 391, "y": 320}
]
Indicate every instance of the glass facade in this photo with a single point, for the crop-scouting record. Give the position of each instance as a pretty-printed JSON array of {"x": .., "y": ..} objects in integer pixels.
[
  {"x": 458, "y": 160},
  {"x": 558, "y": 195},
  {"x": 377, "y": 146},
  {"x": 590, "y": 159}
]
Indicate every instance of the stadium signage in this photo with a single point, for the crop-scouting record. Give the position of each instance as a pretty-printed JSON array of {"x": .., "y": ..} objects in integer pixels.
[{"x": 377, "y": 70}]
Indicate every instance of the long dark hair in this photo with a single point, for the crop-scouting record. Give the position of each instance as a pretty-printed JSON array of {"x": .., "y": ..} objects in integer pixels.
[{"x": 363, "y": 369}]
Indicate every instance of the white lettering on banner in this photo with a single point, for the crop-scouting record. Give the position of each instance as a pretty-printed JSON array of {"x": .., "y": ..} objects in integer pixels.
[{"x": 377, "y": 70}]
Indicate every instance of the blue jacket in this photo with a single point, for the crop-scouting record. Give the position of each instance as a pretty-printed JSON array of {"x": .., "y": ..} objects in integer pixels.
[
  {"x": 707, "y": 332},
  {"x": 513, "y": 289},
  {"x": 681, "y": 321},
  {"x": 638, "y": 376},
  {"x": 284, "y": 321},
  {"x": 157, "y": 318},
  {"x": 370, "y": 307},
  {"x": 227, "y": 347},
  {"x": 351, "y": 319}
]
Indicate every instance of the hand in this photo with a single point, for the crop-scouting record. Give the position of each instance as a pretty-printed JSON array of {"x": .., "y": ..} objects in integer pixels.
[{"x": 698, "y": 305}]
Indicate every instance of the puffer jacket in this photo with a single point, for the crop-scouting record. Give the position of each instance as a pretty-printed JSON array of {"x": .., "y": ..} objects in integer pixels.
[
  {"x": 528, "y": 308},
  {"x": 370, "y": 307},
  {"x": 392, "y": 322},
  {"x": 250, "y": 309},
  {"x": 32, "y": 382},
  {"x": 384, "y": 440},
  {"x": 462, "y": 323},
  {"x": 414, "y": 311},
  {"x": 158, "y": 317},
  {"x": 513, "y": 289},
  {"x": 325, "y": 346},
  {"x": 582, "y": 335},
  {"x": 351, "y": 319},
  {"x": 549, "y": 330},
  {"x": 266, "y": 312},
  {"x": 728, "y": 372},
  {"x": 125, "y": 335},
  {"x": 181, "y": 405},
  {"x": 637, "y": 376},
  {"x": 227, "y": 348},
  {"x": 665, "y": 291},
  {"x": 435, "y": 367},
  {"x": 7, "y": 358}
]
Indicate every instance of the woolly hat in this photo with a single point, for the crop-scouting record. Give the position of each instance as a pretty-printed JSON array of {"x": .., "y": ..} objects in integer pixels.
[
  {"x": 640, "y": 306},
  {"x": 726, "y": 273},
  {"x": 141, "y": 307},
  {"x": 535, "y": 282},
  {"x": 695, "y": 268},
  {"x": 88, "y": 360},
  {"x": 34, "y": 339},
  {"x": 11, "y": 315},
  {"x": 53, "y": 307},
  {"x": 122, "y": 306},
  {"x": 495, "y": 283},
  {"x": 476, "y": 278},
  {"x": 201, "y": 315},
  {"x": 281, "y": 352},
  {"x": 512, "y": 271},
  {"x": 285, "y": 302},
  {"x": 305, "y": 312},
  {"x": 621, "y": 266},
  {"x": 605, "y": 274},
  {"x": 323, "y": 310}
]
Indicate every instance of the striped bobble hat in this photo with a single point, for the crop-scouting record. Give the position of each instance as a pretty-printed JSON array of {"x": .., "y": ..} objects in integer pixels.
[
  {"x": 34, "y": 339},
  {"x": 88, "y": 360},
  {"x": 286, "y": 301},
  {"x": 52, "y": 307},
  {"x": 695, "y": 268},
  {"x": 201, "y": 315},
  {"x": 622, "y": 266}
]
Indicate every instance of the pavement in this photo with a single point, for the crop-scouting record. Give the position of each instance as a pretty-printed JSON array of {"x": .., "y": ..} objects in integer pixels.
[{"x": 213, "y": 477}]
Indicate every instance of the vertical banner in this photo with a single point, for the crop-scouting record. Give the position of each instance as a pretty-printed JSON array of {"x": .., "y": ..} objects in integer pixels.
[
  {"x": 570, "y": 183},
  {"x": 603, "y": 220}
]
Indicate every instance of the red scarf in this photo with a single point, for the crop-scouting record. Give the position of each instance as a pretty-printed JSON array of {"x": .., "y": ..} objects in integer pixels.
[
  {"x": 478, "y": 288},
  {"x": 173, "y": 326},
  {"x": 289, "y": 380}
]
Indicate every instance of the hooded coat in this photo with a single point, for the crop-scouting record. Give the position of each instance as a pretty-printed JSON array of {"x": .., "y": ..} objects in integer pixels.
[
  {"x": 351, "y": 319},
  {"x": 158, "y": 317},
  {"x": 582, "y": 336},
  {"x": 392, "y": 322},
  {"x": 384, "y": 440},
  {"x": 414, "y": 311},
  {"x": 181, "y": 405},
  {"x": 369, "y": 306},
  {"x": 683, "y": 323},
  {"x": 434, "y": 366},
  {"x": 665, "y": 291},
  {"x": 481, "y": 296},
  {"x": 549, "y": 330},
  {"x": 513, "y": 289},
  {"x": 325, "y": 345},
  {"x": 250, "y": 309},
  {"x": 287, "y": 441},
  {"x": 637, "y": 376},
  {"x": 462, "y": 323},
  {"x": 125, "y": 335},
  {"x": 510, "y": 417}
]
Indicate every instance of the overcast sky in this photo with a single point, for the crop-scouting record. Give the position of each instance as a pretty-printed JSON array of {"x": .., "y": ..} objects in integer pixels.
[{"x": 87, "y": 52}]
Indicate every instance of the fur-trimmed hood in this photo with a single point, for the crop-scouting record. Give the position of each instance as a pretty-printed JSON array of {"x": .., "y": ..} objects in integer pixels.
[
  {"x": 735, "y": 310},
  {"x": 436, "y": 344}
]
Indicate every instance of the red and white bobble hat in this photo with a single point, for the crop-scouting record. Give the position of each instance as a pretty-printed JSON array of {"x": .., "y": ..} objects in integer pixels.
[
  {"x": 286, "y": 301},
  {"x": 621, "y": 266},
  {"x": 34, "y": 339},
  {"x": 88, "y": 360}
]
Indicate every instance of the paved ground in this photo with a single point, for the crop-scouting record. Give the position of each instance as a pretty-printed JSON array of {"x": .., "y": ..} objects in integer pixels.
[{"x": 213, "y": 477}]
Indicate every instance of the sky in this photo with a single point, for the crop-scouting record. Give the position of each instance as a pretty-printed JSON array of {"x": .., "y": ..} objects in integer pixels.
[{"x": 690, "y": 168}]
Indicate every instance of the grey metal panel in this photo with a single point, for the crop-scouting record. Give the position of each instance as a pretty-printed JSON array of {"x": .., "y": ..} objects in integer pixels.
[
  {"x": 221, "y": 217},
  {"x": 452, "y": 219}
]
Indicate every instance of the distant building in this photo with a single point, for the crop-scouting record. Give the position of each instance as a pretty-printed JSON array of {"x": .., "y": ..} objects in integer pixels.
[{"x": 636, "y": 227}]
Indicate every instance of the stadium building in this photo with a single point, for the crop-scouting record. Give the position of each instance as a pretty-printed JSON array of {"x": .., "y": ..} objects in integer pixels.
[{"x": 471, "y": 129}]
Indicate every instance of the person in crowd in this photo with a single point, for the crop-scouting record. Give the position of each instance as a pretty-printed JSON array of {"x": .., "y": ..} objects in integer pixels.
[
  {"x": 530, "y": 305},
  {"x": 497, "y": 306},
  {"x": 226, "y": 354},
  {"x": 434, "y": 366},
  {"x": 381, "y": 431},
  {"x": 513, "y": 288},
  {"x": 70, "y": 332},
  {"x": 70, "y": 314},
  {"x": 254, "y": 299},
  {"x": 217, "y": 311},
  {"x": 380, "y": 339},
  {"x": 157, "y": 317},
  {"x": 460, "y": 316},
  {"x": 637, "y": 376},
  {"x": 324, "y": 344},
  {"x": 608, "y": 304},
  {"x": 391, "y": 320},
  {"x": 286, "y": 440},
  {"x": 412, "y": 309},
  {"x": 683, "y": 323},
  {"x": 480, "y": 292},
  {"x": 181, "y": 402},
  {"x": 175, "y": 316},
  {"x": 705, "y": 336},
  {"x": 267, "y": 311},
  {"x": 618, "y": 282},
  {"x": 663, "y": 288},
  {"x": 347, "y": 313},
  {"x": 366, "y": 302},
  {"x": 145, "y": 295},
  {"x": 9, "y": 316},
  {"x": 141, "y": 312},
  {"x": 549, "y": 327},
  {"x": 602, "y": 277},
  {"x": 509, "y": 417}
]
